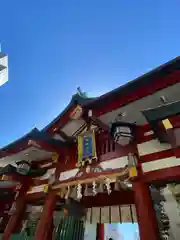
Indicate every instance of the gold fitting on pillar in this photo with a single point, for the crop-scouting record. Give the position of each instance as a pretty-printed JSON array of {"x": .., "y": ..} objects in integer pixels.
[
  {"x": 46, "y": 188},
  {"x": 167, "y": 124},
  {"x": 55, "y": 157},
  {"x": 133, "y": 172}
]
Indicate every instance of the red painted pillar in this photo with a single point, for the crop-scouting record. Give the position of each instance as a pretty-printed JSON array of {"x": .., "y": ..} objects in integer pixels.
[
  {"x": 16, "y": 218},
  {"x": 148, "y": 228},
  {"x": 100, "y": 231},
  {"x": 50, "y": 231},
  {"x": 46, "y": 217}
]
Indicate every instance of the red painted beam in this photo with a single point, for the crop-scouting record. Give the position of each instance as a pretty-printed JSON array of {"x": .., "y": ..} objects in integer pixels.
[
  {"x": 103, "y": 199},
  {"x": 156, "y": 156},
  {"x": 165, "y": 175},
  {"x": 35, "y": 197}
]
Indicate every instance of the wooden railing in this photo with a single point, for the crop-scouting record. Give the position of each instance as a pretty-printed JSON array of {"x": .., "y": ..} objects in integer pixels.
[{"x": 106, "y": 147}]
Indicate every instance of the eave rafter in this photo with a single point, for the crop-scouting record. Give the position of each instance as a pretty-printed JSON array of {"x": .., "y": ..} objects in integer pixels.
[
  {"x": 89, "y": 117},
  {"x": 100, "y": 124},
  {"x": 63, "y": 135}
]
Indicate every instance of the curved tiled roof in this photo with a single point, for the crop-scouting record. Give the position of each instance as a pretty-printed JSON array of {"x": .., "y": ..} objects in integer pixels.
[
  {"x": 35, "y": 135},
  {"x": 81, "y": 99},
  {"x": 123, "y": 90}
]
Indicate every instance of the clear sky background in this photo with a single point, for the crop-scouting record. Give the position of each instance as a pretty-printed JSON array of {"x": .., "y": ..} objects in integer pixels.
[
  {"x": 55, "y": 46},
  {"x": 124, "y": 231},
  {"x": 116, "y": 231}
]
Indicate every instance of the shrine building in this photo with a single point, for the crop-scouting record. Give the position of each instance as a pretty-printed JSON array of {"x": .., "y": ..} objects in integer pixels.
[{"x": 108, "y": 159}]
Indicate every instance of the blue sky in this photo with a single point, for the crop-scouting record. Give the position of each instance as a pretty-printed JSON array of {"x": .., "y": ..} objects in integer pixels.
[
  {"x": 55, "y": 46},
  {"x": 117, "y": 231},
  {"x": 124, "y": 231}
]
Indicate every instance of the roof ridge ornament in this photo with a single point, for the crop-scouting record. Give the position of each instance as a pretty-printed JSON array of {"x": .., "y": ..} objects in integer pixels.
[{"x": 81, "y": 93}]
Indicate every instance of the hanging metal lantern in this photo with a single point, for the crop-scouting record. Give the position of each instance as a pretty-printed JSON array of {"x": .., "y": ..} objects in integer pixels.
[
  {"x": 122, "y": 132},
  {"x": 23, "y": 167}
]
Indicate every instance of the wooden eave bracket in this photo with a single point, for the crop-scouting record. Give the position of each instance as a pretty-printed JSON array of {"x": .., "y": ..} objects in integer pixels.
[
  {"x": 173, "y": 134},
  {"x": 89, "y": 118}
]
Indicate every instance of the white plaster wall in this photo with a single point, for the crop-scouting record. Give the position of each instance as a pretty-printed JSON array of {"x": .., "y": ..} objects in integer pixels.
[
  {"x": 48, "y": 174},
  {"x": 152, "y": 146},
  {"x": 160, "y": 164}
]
